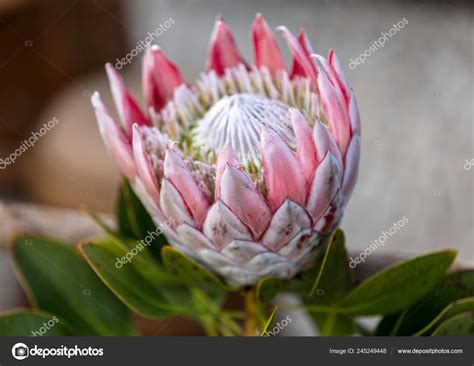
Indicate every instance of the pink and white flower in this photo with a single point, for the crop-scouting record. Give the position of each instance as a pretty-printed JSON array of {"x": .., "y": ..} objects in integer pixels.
[{"x": 254, "y": 162}]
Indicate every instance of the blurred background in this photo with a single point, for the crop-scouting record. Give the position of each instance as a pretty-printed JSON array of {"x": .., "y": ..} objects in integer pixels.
[{"x": 415, "y": 95}]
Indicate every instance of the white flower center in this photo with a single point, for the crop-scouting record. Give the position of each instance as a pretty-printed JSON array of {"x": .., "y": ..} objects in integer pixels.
[{"x": 237, "y": 119}]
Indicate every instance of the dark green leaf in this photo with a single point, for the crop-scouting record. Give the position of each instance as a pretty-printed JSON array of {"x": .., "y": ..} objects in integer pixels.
[
  {"x": 399, "y": 286},
  {"x": 387, "y": 325},
  {"x": 31, "y": 323},
  {"x": 449, "y": 311},
  {"x": 334, "y": 324},
  {"x": 191, "y": 272},
  {"x": 268, "y": 288},
  {"x": 458, "y": 325},
  {"x": 334, "y": 278},
  {"x": 149, "y": 291},
  {"x": 134, "y": 221},
  {"x": 125, "y": 244},
  {"x": 454, "y": 286},
  {"x": 332, "y": 283},
  {"x": 58, "y": 280}
]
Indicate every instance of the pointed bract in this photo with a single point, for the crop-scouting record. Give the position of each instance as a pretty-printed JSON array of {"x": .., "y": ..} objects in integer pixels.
[
  {"x": 265, "y": 47},
  {"x": 303, "y": 40},
  {"x": 279, "y": 163},
  {"x": 227, "y": 156},
  {"x": 351, "y": 170},
  {"x": 177, "y": 173},
  {"x": 160, "y": 78},
  {"x": 333, "y": 79},
  {"x": 239, "y": 193},
  {"x": 341, "y": 77},
  {"x": 336, "y": 114},
  {"x": 300, "y": 57},
  {"x": 114, "y": 138},
  {"x": 305, "y": 150},
  {"x": 143, "y": 165},
  {"x": 173, "y": 205},
  {"x": 326, "y": 182},
  {"x": 354, "y": 115},
  {"x": 324, "y": 142},
  {"x": 222, "y": 226},
  {"x": 223, "y": 51},
  {"x": 127, "y": 108},
  {"x": 286, "y": 223}
]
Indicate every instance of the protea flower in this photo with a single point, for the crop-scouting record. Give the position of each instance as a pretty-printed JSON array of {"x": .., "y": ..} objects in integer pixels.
[{"x": 254, "y": 163}]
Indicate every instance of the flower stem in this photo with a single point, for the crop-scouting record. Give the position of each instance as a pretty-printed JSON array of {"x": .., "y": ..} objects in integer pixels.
[{"x": 251, "y": 307}]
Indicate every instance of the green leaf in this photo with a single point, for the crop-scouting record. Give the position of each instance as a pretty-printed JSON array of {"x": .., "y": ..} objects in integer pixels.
[
  {"x": 399, "y": 286},
  {"x": 334, "y": 278},
  {"x": 132, "y": 218},
  {"x": 124, "y": 243},
  {"x": 326, "y": 283},
  {"x": 332, "y": 283},
  {"x": 31, "y": 323},
  {"x": 453, "y": 287},
  {"x": 150, "y": 292},
  {"x": 269, "y": 322},
  {"x": 58, "y": 280},
  {"x": 334, "y": 324},
  {"x": 387, "y": 325},
  {"x": 191, "y": 272},
  {"x": 209, "y": 313},
  {"x": 458, "y": 325},
  {"x": 449, "y": 311},
  {"x": 268, "y": 288},
  {"x": 135, "y": 222}
]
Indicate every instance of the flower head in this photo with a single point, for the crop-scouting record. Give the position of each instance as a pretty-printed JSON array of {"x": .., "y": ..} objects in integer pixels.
[{"x": 254, "y": 162}]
